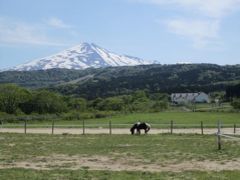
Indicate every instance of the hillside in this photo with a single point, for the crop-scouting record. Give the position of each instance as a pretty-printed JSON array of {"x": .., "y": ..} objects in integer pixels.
[
  {"x": 109, "y": 81},
  {"x": 155, "y": 78},
  {"x": 42, "y": 78}
]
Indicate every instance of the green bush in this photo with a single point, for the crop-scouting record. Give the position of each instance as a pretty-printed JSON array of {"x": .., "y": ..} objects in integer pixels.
[
  {"x": 47, "y": 102},
  {"x": 11, "y": 96},
  {"x": 236, "y": 103},
  {"x": 159, "y": 106}
]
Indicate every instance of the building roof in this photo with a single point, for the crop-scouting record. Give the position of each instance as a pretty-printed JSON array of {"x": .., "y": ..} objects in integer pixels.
[{"x": 185, "y": 96}]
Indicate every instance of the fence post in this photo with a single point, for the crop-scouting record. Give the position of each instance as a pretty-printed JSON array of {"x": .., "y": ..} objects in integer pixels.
[
  {"x": 171, "y": 126},
  {"x": 202, "y": 127},
  {"x": 25, "y": 126},
  {"x": 234, "y": 128},
  {"x": 219, "y": 136},
  {"x": 53, "y": 126},
  {"x": 83, "y": 126},
  {"x": 110, "y": 127}
]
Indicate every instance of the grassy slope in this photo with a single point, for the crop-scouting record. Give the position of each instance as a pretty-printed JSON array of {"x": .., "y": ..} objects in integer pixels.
[{"x": 161, "y": 149}]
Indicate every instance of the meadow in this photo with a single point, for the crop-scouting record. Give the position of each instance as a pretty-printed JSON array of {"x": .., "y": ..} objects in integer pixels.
[
  {"x": 157, "y": 120},
  {"x": 162, "y": 156}
]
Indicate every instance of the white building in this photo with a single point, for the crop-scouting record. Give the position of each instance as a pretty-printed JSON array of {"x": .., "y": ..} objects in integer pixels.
[{"x": 182, "y": 98}]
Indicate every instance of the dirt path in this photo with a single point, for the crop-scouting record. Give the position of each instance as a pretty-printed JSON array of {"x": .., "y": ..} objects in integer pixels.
[
  {"x": 114, "y": 131},
  {"x": 113, "y": 164}
]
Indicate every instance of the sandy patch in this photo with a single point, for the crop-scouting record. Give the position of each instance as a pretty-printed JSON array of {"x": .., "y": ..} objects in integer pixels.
[
  {"x": 11, "y": 144},
  {"x": 118, "y": 164}
]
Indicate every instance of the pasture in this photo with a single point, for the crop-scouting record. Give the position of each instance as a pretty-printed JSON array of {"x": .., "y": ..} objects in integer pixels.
[
  {"x": 161, "y": 156},
  {"x": 160, "y": 119}
]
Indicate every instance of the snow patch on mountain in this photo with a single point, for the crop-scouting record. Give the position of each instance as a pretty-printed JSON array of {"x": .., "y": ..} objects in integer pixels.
[{"x": 82, "y": 56}]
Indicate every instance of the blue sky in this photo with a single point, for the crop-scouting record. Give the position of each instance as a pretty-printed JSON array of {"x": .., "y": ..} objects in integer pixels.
[{"x": 169, "y": 31}]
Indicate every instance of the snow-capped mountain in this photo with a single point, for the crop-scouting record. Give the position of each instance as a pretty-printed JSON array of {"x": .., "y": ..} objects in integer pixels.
[{"x": 81, "y": 56}]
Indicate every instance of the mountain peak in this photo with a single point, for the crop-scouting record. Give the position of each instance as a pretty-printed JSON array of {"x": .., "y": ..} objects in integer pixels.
[{"x": 81, "y": 56}]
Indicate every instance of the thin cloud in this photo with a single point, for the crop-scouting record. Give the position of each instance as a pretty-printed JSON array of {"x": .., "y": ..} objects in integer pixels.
[
  {"x": 201, "y": 32},
  {"x": 210, "y": 8},
  {"x": 57, "y": 23},
  {"x": 204, "y": 27},
  {"x": 15, "y": 32}
]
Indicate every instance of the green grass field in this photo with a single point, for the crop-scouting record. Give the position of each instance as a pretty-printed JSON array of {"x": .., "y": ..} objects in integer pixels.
[
  {"x": 25, "y": 174},
  {"x": 181, "y": 119},
  {"x": 117, "y": 157}
]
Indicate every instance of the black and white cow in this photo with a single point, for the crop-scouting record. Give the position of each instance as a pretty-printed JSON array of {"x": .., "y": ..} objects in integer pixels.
[{"x": 140, "y": 125}]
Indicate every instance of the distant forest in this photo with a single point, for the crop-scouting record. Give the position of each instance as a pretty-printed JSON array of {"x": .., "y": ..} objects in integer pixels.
[
  {"x": 114, "y": 81},
  {"x": 102, "y": 92}
]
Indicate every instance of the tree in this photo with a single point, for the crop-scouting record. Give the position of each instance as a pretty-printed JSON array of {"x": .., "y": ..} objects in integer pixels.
[
  {"x": 114, "y": 104},
  {"x": 140, "y": 95},
  {"x": 79, "y": 104},
  {"x": 140, "y": 101},
  {"x": 236, "y": 103},
  {"x": 127, "y": 102},
  {"x": 96, "y": 103},
  {"x": 11, "y": 96},
  {"x": 233, "y": 91},
  {"x": 47, "y": 102},
  {"x": 217, "y": 97},
  {"x": 159, "y": 96},
  {"x": 159, "y": 106}
]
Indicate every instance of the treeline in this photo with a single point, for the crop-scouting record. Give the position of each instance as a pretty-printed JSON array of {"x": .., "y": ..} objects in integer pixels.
[
  {"x": 42, "y": 78},
  {"x": 233, "y": 91},
  {"x": 115, "y": 81},
  {"x": 17, "y": 100},
  {"x": 233, "y": 95}
]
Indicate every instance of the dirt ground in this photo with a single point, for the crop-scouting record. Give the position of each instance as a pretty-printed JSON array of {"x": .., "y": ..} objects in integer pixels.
[
  {"x": 114, "y": 131},
  {"x": 112, "y": 164}
]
